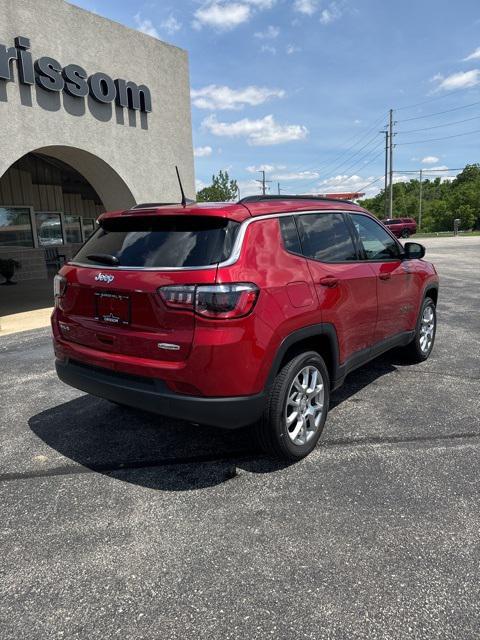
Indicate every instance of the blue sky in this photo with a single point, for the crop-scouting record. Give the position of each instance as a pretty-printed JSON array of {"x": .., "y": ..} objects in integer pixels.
[{"x": 302, "y": 87}]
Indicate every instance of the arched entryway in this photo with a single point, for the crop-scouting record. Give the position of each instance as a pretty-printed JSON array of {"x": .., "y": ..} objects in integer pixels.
[
  {"x": 49, "y": 201},
  {"x": 110, "y": 186}
]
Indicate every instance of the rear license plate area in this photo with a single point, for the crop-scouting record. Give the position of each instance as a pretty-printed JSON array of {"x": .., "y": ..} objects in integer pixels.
[{"x": 112, "y": 308}]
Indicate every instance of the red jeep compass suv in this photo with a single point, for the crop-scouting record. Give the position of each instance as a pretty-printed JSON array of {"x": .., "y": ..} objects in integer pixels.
[{"x": 236, "y": 314}]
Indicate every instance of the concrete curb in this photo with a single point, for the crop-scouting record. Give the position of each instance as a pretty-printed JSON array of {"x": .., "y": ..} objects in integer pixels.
[{"x": 25, "y": 321}]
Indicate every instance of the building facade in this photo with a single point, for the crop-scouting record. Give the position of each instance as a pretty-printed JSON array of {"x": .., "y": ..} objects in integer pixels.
[{"x": 94, "y": 116}]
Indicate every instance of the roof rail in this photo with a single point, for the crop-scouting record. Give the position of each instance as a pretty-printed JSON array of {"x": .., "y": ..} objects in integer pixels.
[{"x": 261, "y": 198}]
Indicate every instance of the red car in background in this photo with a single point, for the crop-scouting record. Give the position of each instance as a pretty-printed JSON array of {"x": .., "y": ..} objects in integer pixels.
[{"x": 401, "y": 227}]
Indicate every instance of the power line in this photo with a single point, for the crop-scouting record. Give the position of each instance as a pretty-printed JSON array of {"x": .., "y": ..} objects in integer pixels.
[
  {"x": 441, "y": 97},
  {"x": 458, "y": 135},
  {"x": 438, "y": 126},
  {"x": 355, "y": 163},
  {"x": 338, "y": 166},
  {"x": 359, "y": 161},
  {"x": 428, "y": 170},
  {"x": 365, "y": 165},
  {"x": 323, "y": 167},
  {"x": 369, "y": 184},
  {"x": 387, "y": 149},
  {"x": 439, "y": 113}
]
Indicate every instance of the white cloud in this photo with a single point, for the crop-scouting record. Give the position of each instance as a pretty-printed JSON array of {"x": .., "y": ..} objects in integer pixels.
[
  {"x": 199, "y": 185},
  {"x": 348, "y": 184},
  {"x": 333, "y": 11},
  {"x": 249, "y": 188},
  {"x": 475, "y": 55},
  {"x": 145, "y": 26},
  {"x": 202, "y": 152},
  {"x": 221, "y": 16},
  {"x": 307, "y": 7},
  {"x": 267, "y": 48},
  {"x": 430, "y": 160},
  {"x": 262, "y": 132},
  {"x": 268, "y": 168},
  {"x": 460, "y": 80},
  {"x": 442, "y": 167},
  {"x": 299, "y": 175},
  {"x": 291, "y": 48},
  {"x": 330, "y": 14},
  {"x": 171, "y": 25},
  {"x": 222, "y": 97},
  {"x": 270, "y": 33},
  {"x": 261, "y": 4},
  {"x": 224, "y": 15}
]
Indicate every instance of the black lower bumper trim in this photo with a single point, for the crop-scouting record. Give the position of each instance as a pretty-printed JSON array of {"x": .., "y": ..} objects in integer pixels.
[{"x": 153, "y": 395}]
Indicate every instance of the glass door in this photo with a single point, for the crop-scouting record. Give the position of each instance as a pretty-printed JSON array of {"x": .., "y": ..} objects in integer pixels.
[{"x": 49, "y": 229}]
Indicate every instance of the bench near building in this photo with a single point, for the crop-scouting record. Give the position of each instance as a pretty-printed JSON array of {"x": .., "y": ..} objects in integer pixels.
[{"x": 93, "y": 116}]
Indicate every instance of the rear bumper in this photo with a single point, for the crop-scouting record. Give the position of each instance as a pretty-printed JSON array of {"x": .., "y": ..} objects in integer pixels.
[{"x": 153, "y": 395}]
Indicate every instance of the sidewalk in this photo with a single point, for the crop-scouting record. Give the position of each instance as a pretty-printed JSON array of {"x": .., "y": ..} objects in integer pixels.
[
  {"x": 26, "y": 305},
  {"x": 25, "y": 321}
]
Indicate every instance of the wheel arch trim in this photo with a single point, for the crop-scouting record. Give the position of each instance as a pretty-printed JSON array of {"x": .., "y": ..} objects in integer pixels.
[{"x": 321, "y": 330}]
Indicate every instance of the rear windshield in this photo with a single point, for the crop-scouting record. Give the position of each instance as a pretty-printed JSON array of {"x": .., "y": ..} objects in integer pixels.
[{"x": 166, "y": 241}]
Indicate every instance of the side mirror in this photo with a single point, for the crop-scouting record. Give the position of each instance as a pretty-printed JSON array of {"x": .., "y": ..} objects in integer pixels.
[{"x": 413, "y": 251}]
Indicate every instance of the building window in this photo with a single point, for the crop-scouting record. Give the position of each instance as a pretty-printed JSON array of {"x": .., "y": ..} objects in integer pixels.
[
  {"x": 73, "y": 229},
  {"x": 49, "y": 229},
  {"x": 15, "y": 227},
  {"x": 88, "y": 227}
]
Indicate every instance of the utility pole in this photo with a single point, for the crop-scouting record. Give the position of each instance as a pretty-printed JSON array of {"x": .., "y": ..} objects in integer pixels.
[
  {"x": 278, "y": 188},
  {"x": 420, "y": 202},
  {"x": 385, "y": 189},
  {"x": 263, "y": 182},
  {"x": 390, "y": 135}
]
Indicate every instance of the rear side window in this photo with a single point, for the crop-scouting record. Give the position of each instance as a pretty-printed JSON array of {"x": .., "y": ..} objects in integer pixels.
[
  {"x": 163, "y": 241},
  {"x": 326, "y": 237},
  {"x": 290, "y": 234}
]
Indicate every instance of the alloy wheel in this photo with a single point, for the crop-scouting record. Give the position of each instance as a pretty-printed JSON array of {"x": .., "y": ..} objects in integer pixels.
[
  {"x": 304, "y": 405},
  {"x": 427, "y": 329}
]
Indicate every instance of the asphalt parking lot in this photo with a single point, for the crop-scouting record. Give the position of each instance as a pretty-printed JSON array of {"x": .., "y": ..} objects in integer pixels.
[{"x": 119, "y": 524}]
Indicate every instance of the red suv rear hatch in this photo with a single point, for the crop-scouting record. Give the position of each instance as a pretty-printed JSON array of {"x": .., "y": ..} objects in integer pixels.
[{"x": 111, "y": 301}]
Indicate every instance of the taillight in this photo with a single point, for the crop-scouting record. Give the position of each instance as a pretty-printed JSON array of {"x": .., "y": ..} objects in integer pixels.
[
  {"x": 59, "y": 286},
  {"x": 219, "y": 301},
  {"x": 180, "y": 297}
]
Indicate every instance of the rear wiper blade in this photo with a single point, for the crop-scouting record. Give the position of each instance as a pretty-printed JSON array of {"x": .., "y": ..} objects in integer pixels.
[{"x": 104, "y": 258}]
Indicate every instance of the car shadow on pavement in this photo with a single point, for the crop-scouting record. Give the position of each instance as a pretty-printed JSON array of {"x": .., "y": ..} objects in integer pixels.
[{"x": 161, "y": 453}]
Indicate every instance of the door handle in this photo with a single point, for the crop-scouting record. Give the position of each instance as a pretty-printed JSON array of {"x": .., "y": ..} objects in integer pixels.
[
  {"x": 385, "y": 276},
  {"x": 329, "y": 281}
]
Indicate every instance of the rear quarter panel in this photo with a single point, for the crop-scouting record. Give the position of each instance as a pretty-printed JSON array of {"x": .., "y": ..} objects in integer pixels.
[{"x": 287, "y": 299}]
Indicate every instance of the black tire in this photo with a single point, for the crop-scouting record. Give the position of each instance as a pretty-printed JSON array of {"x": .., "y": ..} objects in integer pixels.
[
  {"x": 272, "y": 431},
  {"x": 405, "y": 233},
  {"x": 413, "y": 352}
]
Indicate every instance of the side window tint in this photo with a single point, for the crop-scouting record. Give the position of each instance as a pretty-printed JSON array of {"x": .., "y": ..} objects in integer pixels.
[
  {"x": 325, "y": 237},
  {"x": 290, "y": 234},
  {"x": 376, "y": 242}
]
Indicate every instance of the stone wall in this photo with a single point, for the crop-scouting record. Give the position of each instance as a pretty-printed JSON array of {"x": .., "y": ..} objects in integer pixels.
[
  {"x": 127, "y": 156},
  {"x": 32, "y": 261}
]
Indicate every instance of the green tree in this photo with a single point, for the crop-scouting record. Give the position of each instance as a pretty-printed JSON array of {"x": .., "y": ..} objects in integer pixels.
[
  {"x": 442, "y": 201},
  {"x": 466, "y": 215},
  {"x": 222, "y": 189}
]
